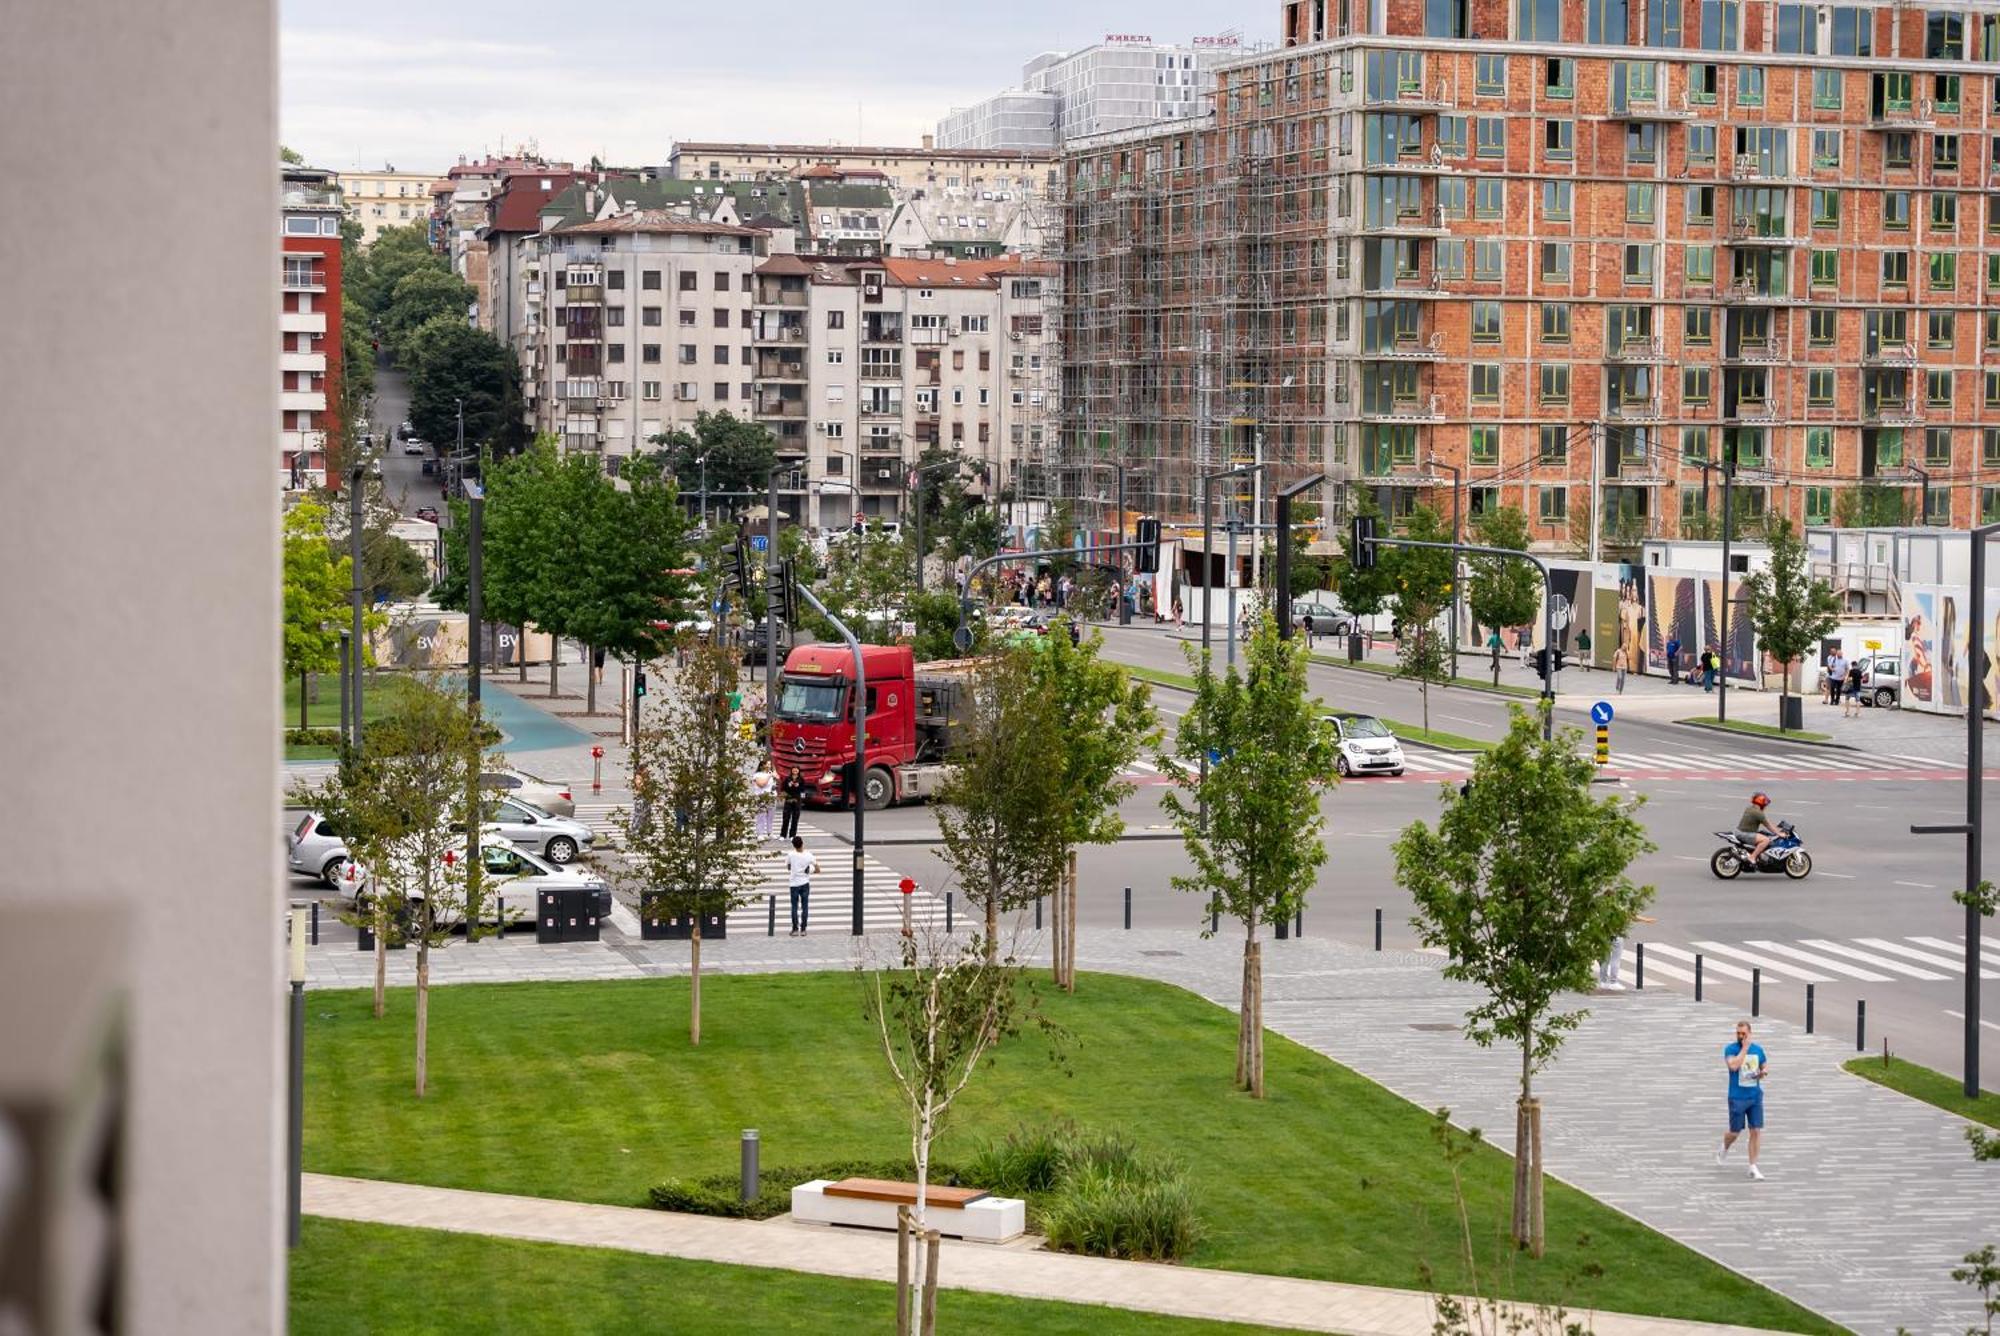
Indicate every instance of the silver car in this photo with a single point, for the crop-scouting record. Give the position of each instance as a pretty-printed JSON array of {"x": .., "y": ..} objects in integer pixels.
[
  {"x": 514, "y": 879},
  {"x": 557, "y": 838},
  {"x": 556, "y": 799},
  {"x": 313, "y": 848}
]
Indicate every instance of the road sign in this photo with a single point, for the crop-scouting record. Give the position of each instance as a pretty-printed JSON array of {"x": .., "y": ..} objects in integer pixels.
[
  {"x": 1600, "y": 713},
  {"x": 1559, "y": 612},
  {"x": 760, "y": 542},
  {"x": 961, "y": 639},
  {"x": 1603, "y": 745}
]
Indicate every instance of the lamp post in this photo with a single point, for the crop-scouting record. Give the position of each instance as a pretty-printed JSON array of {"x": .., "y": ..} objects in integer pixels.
[
  {"x": 1727, "y": 468},
  {"x": 857, "y": 793},
  {"x": 703, "y": 502},
  {"x": 356, "y": 479},
  {"x": 346, "y": 688},
  {"x": 295, "y": 1140},
  {"x": 1457, "y": 536},
  {"x": 475, "y": 542}
]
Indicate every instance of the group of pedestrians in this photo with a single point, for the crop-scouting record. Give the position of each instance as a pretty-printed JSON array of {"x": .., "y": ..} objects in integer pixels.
[
  {"x": 785, "y": 798},
  {"x": 1842, "y": 683}
]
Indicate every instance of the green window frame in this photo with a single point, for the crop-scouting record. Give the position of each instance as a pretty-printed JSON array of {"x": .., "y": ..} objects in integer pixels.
[
  {"x": 1937, "y": 447},
  {"x": 1452, "y": 197},
  {"x": 1819, "y": 505},
  {"x": 1819, "y": 387},
  {"x": 1899, "y": 148},
  {"x": 1555, "y": 322},
  {"x": 1826, "y": 148},
  {"x": 1698, "y": 263},
  {"x": 1694, "y": 442},
  {"x": 1701, "y": 145},
  {"x": 1453, "y": 134},
  {"x": 1488, "y": 257},
  {"x": 1822, "y": 326},
  {"x": 1992, "y": 396},
  {"x": 1895, "y": 269},
  {"x": 1694, "y": 504},
  {"x": 1944, "y": 152},
  {"x": 1486, "y": 322},
  {"x": 1702, "y": 80},
  {"x": 1555, "y": 261},
  {"x": 1825, "y": 208},
  {"x": 1943, "y": 268},
  {"x": 1828, "y": 91},
  {"x": 1699, "y": 205},
  {"x": 1558, "y": 198},
  {"x": 1482, "y": 444},
  {"x": 1896, "y": 210},
  {"x": 1552, "y": 443},
  {"x": 1697, "y": 383},
  {"x": 1749, "y": 85},
  {"x": 1937, "y": 389},
  {"x": 1945, "y": 93},
  {"x": 1489, "y": 196},
  {"x": 1489, "y": 76},
  {"x": 1989, "y": 447},
  {"x": 1989, "y": 504},
  {"x": 1698, "y": 325},
  {"x": 1559, "y": 140},
  {"x": 1944, "y": 211},
  {"x": 1638, "y": 263},
  {"x": 1993, "y": 211},
  {"x": 1819, "y": 447},
  {"x": 1825, "y": 268},
  {"x": 1489, "y": 137},
  {"x": 1555, "y": 382},
  {"x": 1559, "y": 79},
  {"x": 1641, "y": 200},
  {"x": 1552, "y": 503},
  {"x": 1485, "y": 382},
  {"x": 1940, "y": 329},
  {"x": 1889, "y": 448}
]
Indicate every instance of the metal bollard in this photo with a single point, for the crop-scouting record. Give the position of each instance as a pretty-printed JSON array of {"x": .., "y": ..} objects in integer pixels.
[
  {"x": 1639, "y": 965},
  {"x": 770, "y": 916},
  {"x": 947, "y": 913},
  {"x": 313, "y": 936},
  {"x": 1128, "y": 907},
  {"x": 1697, "y": 976},
  {"x": 1299, "y": 921},
  {"x": 1214, "y": 918},
  {"x": 1809, "y": 1008},
  {"x": 1378, "y": 930},
  {"x": 1756, "y": 988},
  {"x": 750, "y": 1185},
  {"x": 1038, "y": 911},
  {"x": 1861, "y": 1025}
]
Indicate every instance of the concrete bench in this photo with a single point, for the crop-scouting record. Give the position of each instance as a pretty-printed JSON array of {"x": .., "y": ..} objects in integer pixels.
[{"x": 962, "y": 1213}]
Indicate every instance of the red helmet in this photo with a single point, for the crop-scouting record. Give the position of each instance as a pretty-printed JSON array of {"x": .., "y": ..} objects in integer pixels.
[{"x": 1760, "y": 799}]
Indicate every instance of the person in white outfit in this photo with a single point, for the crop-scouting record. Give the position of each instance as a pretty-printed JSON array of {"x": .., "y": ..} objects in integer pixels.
[{"x": 763, "y": 791}]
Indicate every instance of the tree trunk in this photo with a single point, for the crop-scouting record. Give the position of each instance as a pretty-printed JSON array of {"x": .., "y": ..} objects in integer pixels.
[
  {"x": 1243, "y": 1007},
  {"x": 423, "y": 1012},
  {"x": 589, "y": 680},
  {"x": 1251, "y": 1065},
  {"x": 381, "y": 966},
  {"x": 694, "y": 983},
  {"x": 1524, "y": 1148},
  {"x": 521, "y": 652},
  {"x": 926, "y": 1119},
  {"x": 555, "y": 663},
  {"x": 992, "y": 898},
  {"x": 1535, "y": 1179},
  {"x": 1069, "y": 929},
  {"x": 1496, "y": 665}
]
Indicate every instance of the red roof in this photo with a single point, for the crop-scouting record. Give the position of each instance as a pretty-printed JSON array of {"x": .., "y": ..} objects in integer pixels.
[
  {"x": 518, "y": 207},
  {"x": 938, "y": 274}
]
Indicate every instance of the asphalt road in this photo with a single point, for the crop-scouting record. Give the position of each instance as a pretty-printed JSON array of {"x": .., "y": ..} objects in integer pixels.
[{"x": 402, "y": 475}]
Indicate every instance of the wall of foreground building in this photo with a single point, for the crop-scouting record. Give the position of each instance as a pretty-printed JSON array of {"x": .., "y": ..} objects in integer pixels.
[{"x": 139, "y": 534}]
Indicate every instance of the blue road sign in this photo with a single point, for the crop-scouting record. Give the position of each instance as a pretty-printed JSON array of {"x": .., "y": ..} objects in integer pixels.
[
  {"x": 759, "y": 542},
  {"x": 1600, "y": 713}
]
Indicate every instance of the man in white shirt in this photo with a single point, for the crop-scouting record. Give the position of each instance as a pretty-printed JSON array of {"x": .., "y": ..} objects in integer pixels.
[
  {"x": 1836, "y": 677},
  {"x": 800, "y": 867}
]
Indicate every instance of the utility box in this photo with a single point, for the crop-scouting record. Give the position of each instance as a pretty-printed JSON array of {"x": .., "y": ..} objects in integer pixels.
[{"x": 658, "y": 923}]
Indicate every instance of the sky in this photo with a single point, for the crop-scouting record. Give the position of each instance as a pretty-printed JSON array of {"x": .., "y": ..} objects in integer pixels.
[{"x": 416, "y": 83}]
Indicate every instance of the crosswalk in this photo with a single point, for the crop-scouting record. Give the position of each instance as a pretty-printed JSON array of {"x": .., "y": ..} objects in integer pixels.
[
  {"x": 1817, "y": 960},
  {"x": 1707, "y": 764},
  {"x": 831, "y": 906}
]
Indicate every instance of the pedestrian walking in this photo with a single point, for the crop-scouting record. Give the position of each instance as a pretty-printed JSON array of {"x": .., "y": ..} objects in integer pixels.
[
  {"x": 1836, "y": 677},
  {"x": 1851, "y": 709},
  {"x": 1710, "y": 661},
  {"x": 793, "y": 788},
  {"x": 1177, "y": 612},
  {"x": 1747, "y": 1068},
  {"x": 1521, "y": 644},
  {"x": 1309, "y": 632},
  {"x": 1619, "y": 664},
  {"x": 1583, "y": 649},
  {"x": 799, "y": 869},
  {"x": 1607, "y": 968},
  {"x": 763, "y": 789},
  {"x": 597, "y": 665},
  {"x": 1673, "y": 661}
]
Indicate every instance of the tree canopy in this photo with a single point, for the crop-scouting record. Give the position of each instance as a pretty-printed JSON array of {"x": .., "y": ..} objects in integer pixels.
[
  {"x": 449, "y": 362},
  {"x": 740, "y": 455},
  {"x": 420, "y": 296},
  {"x": 1789, "y": 608}
]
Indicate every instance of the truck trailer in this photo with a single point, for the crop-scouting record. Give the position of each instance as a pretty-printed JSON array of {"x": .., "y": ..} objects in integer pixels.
[{"x": 913, "y": 711}]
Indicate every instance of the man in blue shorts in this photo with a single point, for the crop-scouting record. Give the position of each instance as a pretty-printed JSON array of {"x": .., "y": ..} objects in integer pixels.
[{"x": 1747, "y": 1066}]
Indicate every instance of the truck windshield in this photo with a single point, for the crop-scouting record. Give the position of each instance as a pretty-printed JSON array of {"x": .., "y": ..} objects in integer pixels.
[{"x": 819, "y": 701}]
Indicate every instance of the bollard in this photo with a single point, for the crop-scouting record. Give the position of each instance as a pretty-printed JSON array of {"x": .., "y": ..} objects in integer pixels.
[
  {"x": 1299, "y": 922},
  {"x": 1861, "y": 1025},
  {"x": 947, "y": 913},
  {"x": 1809, "y": 1008},
  {"x": 1038, "y": 911},
  {"x": 1214, "y": 918},
  {"x": 750, "y": 1184},
  {"x": 1639, "y": 965},
  {"x": 770, "y": 916},
  {"x": 1697, "y": 976},
  {"x": 1128, "y": 908},
  {"x": 1756, "y": 988},
  {"x": 313, "y": 937},
  {"x": 1378, "y": 930}
]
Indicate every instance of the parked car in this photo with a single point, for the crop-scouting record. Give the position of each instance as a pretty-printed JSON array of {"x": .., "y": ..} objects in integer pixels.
[
  {"x": 514, "y": 877},
  {"x": 406, "y": 431},
  {"x": 427, "y": 513},
  {"x": 1881, "y": 680},
  {"x": 313, "y": 848},
  {"x": 557, "y": 838},
  {"x": 1328, "y": 620},
  {"x": 1366, "y": 745},
  {"x": 414, "y": 447},
  {"x": 555, "y": 799}
]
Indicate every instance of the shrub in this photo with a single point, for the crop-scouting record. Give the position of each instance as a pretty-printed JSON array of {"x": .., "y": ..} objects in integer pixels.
[
  {"x": 312, "y": 737},
  {"x": 721, "y": 1194},
  {"x": 1148, "y": 1215},
  {"x": 1027, "y": 1160}
]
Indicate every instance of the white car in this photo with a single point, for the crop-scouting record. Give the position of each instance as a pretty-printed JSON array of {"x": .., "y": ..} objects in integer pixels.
[
  {"x": 1366, "y": 745},
  {"x": 313, "y": 848},
  {"x": 557, "y": 838},
  {"x": 556, "y": 799},
  {"x": 514, "y": 879}
]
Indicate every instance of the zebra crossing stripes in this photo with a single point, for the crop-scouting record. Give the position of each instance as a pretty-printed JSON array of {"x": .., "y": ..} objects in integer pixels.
[
  {"x": 1816, "y": 960},
  {"x": 1929, "y": 958}
]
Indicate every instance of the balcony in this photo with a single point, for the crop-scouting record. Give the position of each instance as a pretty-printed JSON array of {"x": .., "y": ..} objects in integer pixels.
[
  {"x": 302, "y": 362},
  {"x": 1634, "y": 410},
  {"x": 883, "y": 331},
  {"x": 876, "y": 445},
  {"x": 884, "y": 371},
  {"x": 1761, "y": 231},
  {"x": 891, "y": 408},
  {"x": 1763, "y": 352},
  {"x": 584, "y": 294},
  {"x": 1411, "y": 286},
  {"x": 1894, "y": 413},
  {"x": 929, "y": 336},
  {"x": 302, "y": 322},
  {"x": 1750, "y": 294},
  {"x": 1411, "y": 97},
  {"x": 1753, "y": 412},
  {"x": 781, "y": 296},
  {"x": 1414, "y": 223},
  {"x": 302, "y": 401},
  {"x": 1760, "y": 169},
  {"x": 774, "y": 332},
  {"x": 780, "y": 408},
  {"x": 1902, "y": 115},
  {"x": 1433, "y": 161},
  {"x": 1429, "y": 409},
  {"x": 1890, "y": 354},
  {"x": 1638, "y": 349},
  {"x": 1408, "y": 350},
  {"x": 304, "y": 280},
  {"x": 1650, "y": 106}
]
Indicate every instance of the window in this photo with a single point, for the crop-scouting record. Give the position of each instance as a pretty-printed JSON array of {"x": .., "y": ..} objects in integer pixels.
[
  {"x": 721, "y": 285},
  {"x": 1896, "y": 210},
  {"x": 1899, "y": 148},
  {"x": 615, "y": 352},
  {"x": 1825, "y": 268},
  {"x": 1451, "y": 196},
  {"x": 1826, "y": 149},
  {"x": 1937, "y": 447},
  {"x": 1639, "y": 199},
  {"x": 1452, "y": 136},
  {"x": 1559, "y": 140},
  {"x": 1940, "y": 329},
  {"x": 1989, "y": 448},
  {"x": 1702, "y": 83},
  {"x": 1944, "y": 211},
  {"x": 1557, "y": 196},
  {"x": 1827, "y": 90},
  {"x": 1944, "y": 35},
  {"x": 1819, "y": 447},
  {"x": 1821, "y": 325},
  {"x": 1993, "y": 273},
  {"x": 1944, "y": 152},
  {"x": 649, "y": 280},
  {"x": 1486, "y": 322},
  {"x": 720, "y": 318},
  {"x": 836, "y": 319},
  {"x": 649, "y": 389},
  {"x": 1442, "y": 18},
  {"x": 1490, "y": 76},
  {"x": 1486, "y": 260},
  {"x": 1695, "y": 382},
  {"x": 1698, "y": 263},
  {"x": 1992, "y": 396},
  {"x": 721, "y": 355},
  {"x": 1642, "y": 142},
  {"x": 1826, "y": 208},
  {"x": 1750, "y": 85},
  {"x": 1701, "y": 145},
  {"x": 834, "y": 357},
  {"x": 1553, "y": 504},
  {"x": 1700, "y": 204},
  {"x": 1555, "y": 261},
  {"x": 1819, "y": 387},
  {"x": 1697, "y": 325},
  {"x": 1448, "y": 258},
  {"x": 1694, "y": 442},
  {"x": 1558, "y": 77},
  {"x": 1555, "y": 382},
  {"x": 1552, "y": 443},
  {"x": 1540, "y": 20},
  {"x": 1606, "y": 22},
  {"x": 1993, "y": 331},
  {"x": 1489, "y": 197},
  {"x": 685, "y": 317},
  {"x": 1853, "y": 31},
  {"x": 1895, "y": 269},
  {"x": 1555, "y": 322},
  {"x": 1943, "y": 266},
  {"x": 1945, "y": 92},
  {"x": 1937, "y": 389},
  {"x": 689, "y": 354},
  {"x": 1486, "y": 382},
  {"x": 1819, "y": 505},
  {"x": 1483, "y": 445},
  {"x": 1489, "y": 137},
  {"x": 649, "y": 352},
  {"x": 1638, "y": 264},
  {"x": 614, "y": 316},
  {"x": 1718, "y": 25}
]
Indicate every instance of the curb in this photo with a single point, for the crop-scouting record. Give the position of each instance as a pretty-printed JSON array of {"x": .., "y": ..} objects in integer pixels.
[
  {"x": 1477, "y": 688},
  {"x": 1768, "y": 737}
]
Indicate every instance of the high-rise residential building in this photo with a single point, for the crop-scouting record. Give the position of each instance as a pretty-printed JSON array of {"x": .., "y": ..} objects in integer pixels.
[
  {"x": 865, "y": 364},
  {"x": 1573, "y": 258},
  {"x": 1124, "y": 81},
  {"x": 639, "y": 323},
  {"x": 308, "y": 324},
  {"x": 924, "y": 167},
  {"x": 385, "y": 199}
]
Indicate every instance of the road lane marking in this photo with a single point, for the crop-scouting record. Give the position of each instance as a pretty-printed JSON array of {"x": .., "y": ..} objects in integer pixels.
[
  {"x": 1842, "y": 876},
  {"x": 1690, "y": 858},
  {"x": 1942, "y": 962},
  {"x": 1656, "y": 966},
  {"x": 1781, "y": 972},
  {"x": 1959, "y": 1016},
  {"x": 1721, "y": 967},
  {"x": 1897, "y": 967},
  {"x": 1915, "y": 885},
  {"x": 1958, "y": 948},
  {"x": 1821, "y": 962}
]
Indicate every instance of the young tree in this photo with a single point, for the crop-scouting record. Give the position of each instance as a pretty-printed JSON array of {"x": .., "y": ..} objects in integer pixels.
[
  {"x": 1270, "y": 757},
  {"x": 1790, "y": 609},
  {"x": 1103, "y": 718},
  {"x": 1523, "y": 885},
  {"x": 868, "y": 575},
  {"x": 1502, "y": 592},
  {"x": 316, "y": 598},
  {"x": 695, "y": 845},
  {"x": 1420, "y": 581},
  {"x": 1364, "y": 591},
  {"x": 634, "y": 537},
  {"x": 1000, "y": 809}
]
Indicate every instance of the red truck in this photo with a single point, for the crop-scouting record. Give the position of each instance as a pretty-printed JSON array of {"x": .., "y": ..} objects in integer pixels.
[{"x": 913, "y": 712}]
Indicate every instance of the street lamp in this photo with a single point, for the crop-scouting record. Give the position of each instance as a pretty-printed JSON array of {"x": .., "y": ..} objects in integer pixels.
[
  {"x": 1207, "y": 551},
  {"x": 1456, "y": 536},
  {"x": 475, "y": 543},
  {"x": 1726, "y": 467},
  {"x": 356, "y": 479},
  {"x": 297, "y": 1111}
]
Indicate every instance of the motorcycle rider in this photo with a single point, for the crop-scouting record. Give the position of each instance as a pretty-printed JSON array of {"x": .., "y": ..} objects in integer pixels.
[{"x": 1756, "y": 821}]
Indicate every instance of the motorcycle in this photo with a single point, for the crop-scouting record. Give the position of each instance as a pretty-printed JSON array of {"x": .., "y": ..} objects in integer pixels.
[{"x": 1786, "y": 854}]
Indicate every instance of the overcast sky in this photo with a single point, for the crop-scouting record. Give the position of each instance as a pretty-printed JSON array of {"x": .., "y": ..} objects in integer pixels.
[{"x": 417, "y": 84}]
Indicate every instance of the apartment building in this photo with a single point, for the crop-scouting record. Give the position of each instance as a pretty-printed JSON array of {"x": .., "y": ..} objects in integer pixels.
[
  {"x": 924, "y": 167},
  {"x": 1566, "y": 257},
  {"x": 510, "y": 238},
  {"x": 308, "y": 323},
  {"x": 864, "y": 364},
  {"x": 639, "y": 322},
  {"x": 385, "y": 199},
  {"x": 1126, "y": 80}
]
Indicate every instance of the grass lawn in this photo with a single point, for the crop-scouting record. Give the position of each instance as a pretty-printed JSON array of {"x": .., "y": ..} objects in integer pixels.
[
  {"x": 589, "y": 1091},
  {"x": 376, "y": 696},
  {"x": 1436, "y": 737},
  {"x": 1761, "y": 730},
  {"x": 358, "y": 1280},
  {"x": 1391, "y": 670},
  {"x": 1932, "y": 1087}
]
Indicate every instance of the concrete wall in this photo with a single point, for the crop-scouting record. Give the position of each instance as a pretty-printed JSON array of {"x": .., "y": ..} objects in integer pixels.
[{"x": 138, "y": 530}]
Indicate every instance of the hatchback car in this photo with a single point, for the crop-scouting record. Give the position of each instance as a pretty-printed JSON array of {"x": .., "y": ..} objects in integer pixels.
[
  {"x": 414, "y": 447},
  {"x": 1366, "y": 746},
  {"x": 555, "y": 799},
  {"x": 514, "y": 879},
  {"x": 1881, "y": 680},
  {"x": 557, "y": 838},
  {"x": 313, "y": 848},
  {"x": 1327, "y": 619}
]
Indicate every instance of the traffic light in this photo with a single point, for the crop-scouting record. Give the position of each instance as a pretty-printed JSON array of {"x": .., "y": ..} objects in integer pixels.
[
  {"x": 1541, "y": 661},
  {"x": 1147, "y": 534},
  {"x": 638, "y": 684},
  {"x": 1560, "y": 664},
  {"x": 1361, "y": 546}
]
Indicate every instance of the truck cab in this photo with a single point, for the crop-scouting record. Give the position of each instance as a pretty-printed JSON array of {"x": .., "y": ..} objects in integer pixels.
[{"x": 812, "y": 729}]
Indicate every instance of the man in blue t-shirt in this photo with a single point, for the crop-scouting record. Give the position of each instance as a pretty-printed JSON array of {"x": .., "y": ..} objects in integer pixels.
[{"x": 1747, "y": 1067}]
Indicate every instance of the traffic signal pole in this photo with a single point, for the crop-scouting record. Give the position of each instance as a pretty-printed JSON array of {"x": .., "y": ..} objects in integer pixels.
[{"x": 857, "y": 793}]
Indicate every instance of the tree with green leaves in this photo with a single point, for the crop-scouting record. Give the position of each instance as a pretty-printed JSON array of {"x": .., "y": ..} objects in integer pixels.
[
  {"x": 740, "y": 454},
  {"x": 291, "y": 157},
  {"x": 395, "y": 253},
  {"x": 867, "y": 582},
  {"x": 1790, "y": 610},
  {"x": 1104, "y": 719},
  {"x": 1364, "y": 590},
  {"x": 1000, "y": 809},
  {"x": 1252, "y": 826},
  {"x": 1872, "y": 505},
  {"x": 316, "y": 590},
  {"x": 1502, "y": 591},
  {"x": 451, "y": 362},
  {"x": 1523, "y": 884},
  {"x": 420, "y": 296},
  {"x": 694, "y": 847},
  {"x": 1420, "y": 583}
]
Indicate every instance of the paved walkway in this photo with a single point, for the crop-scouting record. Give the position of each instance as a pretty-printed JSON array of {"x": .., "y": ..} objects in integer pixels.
[
  {"x": 1871, "y": 1197},
  {"x": 1016, "y": 1269}
]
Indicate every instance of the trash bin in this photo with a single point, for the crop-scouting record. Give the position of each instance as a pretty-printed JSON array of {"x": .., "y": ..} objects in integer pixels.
[
  {"x": 1792, "y": 712},
  {"x": 1354, "y": 648}
]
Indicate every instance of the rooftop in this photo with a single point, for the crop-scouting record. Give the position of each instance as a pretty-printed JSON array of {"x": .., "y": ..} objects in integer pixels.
[
  {"x": 658, "y": 220},
  {"x": 833, "y": 151}
]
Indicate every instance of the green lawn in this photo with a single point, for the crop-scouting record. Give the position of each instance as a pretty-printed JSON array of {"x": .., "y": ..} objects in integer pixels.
[
  {"x": 376, "y": 695},
  {"x": 590, "y": 1091},
  {"x": 1761, "y": 730},
  {"x": 1392, "y": 670},
  {"x": 1160, "y": 676},
  {"x": 364, "y": 1280},
  {"x": 1932, "y": 1087}
]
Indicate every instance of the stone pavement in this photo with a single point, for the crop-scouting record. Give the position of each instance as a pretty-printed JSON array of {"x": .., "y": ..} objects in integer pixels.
[
  {"x": 1014, "y": 1269},
  {"x": 1871, "y": 1197}
]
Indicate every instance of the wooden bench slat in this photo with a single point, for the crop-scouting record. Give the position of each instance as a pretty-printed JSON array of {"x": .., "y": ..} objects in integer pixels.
[{"x": 882, "y": 1189}]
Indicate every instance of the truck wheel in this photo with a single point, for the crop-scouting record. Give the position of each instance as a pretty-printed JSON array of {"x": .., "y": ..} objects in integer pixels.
[{"x": 878, "y": 789}]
